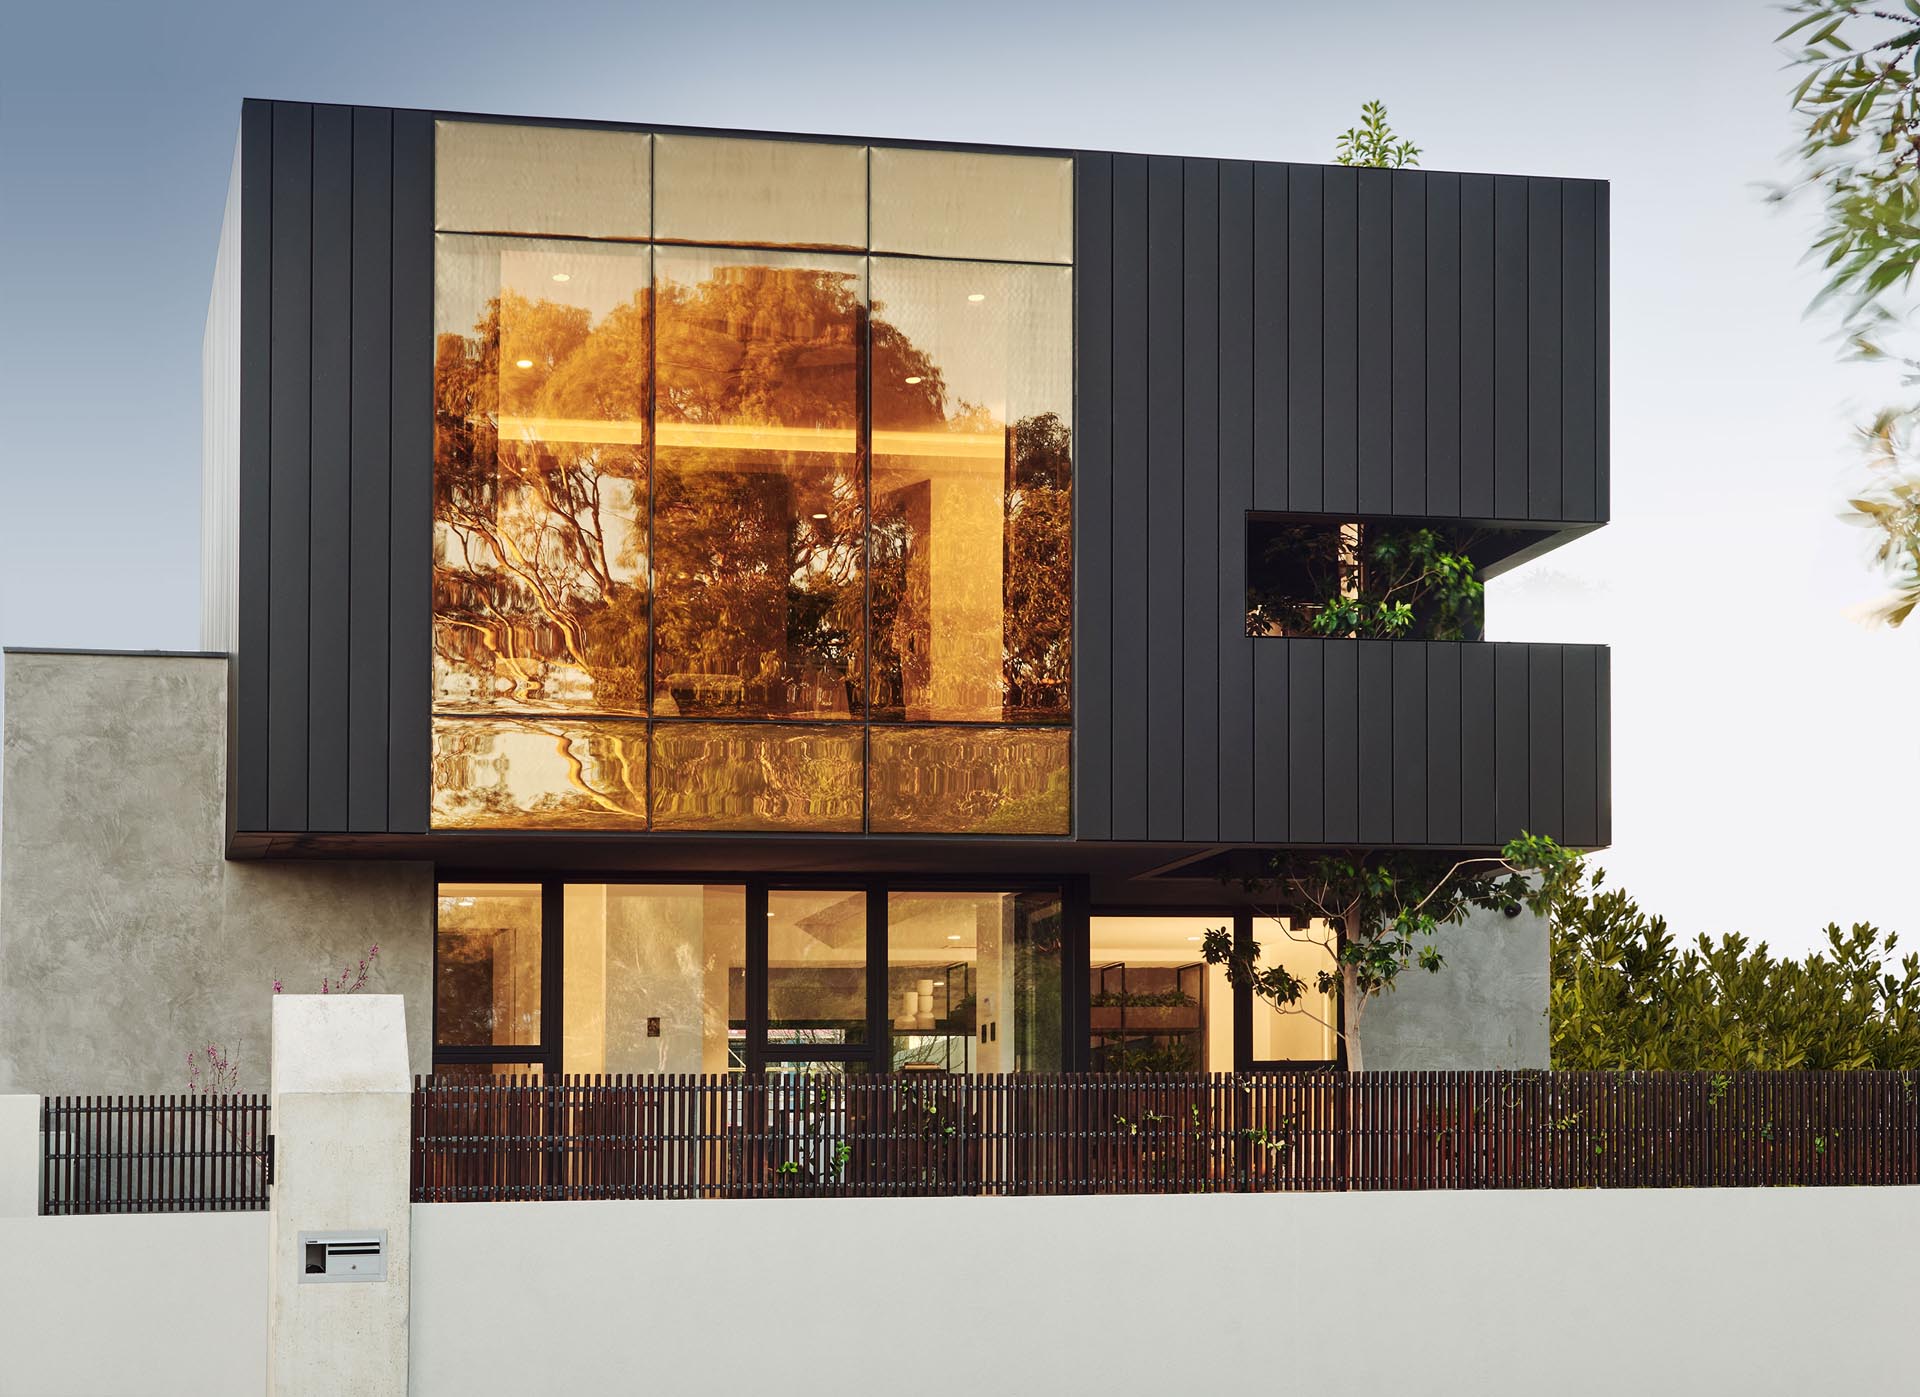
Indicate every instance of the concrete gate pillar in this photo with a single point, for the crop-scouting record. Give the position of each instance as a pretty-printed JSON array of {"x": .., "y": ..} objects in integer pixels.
[{"x": 341, "y": 1109}]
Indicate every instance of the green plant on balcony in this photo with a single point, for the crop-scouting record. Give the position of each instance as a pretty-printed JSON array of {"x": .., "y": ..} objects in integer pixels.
[{"x": 1364, "y": 581}]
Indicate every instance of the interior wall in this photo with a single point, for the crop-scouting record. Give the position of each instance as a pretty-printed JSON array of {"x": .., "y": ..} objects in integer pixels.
[{"x": 127, "y": 940}]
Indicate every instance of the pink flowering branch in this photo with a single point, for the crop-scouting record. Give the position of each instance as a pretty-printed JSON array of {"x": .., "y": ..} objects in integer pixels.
[{"x": 213, "y": 1075}]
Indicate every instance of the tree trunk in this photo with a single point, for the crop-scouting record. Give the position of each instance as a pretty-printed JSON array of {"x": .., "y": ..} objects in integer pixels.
[{"x": 1352, "y": 1005}]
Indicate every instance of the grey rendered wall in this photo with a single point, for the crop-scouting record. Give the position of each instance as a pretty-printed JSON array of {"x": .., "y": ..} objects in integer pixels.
[
  {"x": 126, "y": 939},
  {"x": 1485, "y": 1008},
  {"x": 1509, "y": 1294}
]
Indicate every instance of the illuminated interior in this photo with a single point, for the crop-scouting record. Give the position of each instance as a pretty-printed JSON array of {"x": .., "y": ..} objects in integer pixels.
[{"x": 716, "y": 480}]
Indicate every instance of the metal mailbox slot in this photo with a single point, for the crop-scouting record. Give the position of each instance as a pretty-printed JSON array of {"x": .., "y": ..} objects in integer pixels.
[{"x": 343, "y": 1256}]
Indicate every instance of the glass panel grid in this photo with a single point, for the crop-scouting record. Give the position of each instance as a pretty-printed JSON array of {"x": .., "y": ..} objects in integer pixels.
[{"x": 652, "y": 499}]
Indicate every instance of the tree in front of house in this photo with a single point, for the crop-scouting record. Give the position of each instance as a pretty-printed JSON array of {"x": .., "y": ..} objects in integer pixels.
[
  {"x": 1375, "y": 915},
  {"x": 1627, "y": 996},
  {"x": 1859, "y": 104}
]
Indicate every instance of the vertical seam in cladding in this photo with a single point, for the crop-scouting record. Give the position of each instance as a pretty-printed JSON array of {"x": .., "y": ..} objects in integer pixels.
[
  {"x": 264, "y": 472},
  {"x": 306, "y": 696},
  {"x": 1526, "y": 390},
  {"x": 1219, "y": 280},
  {"x": 346, "y": 602},
  {"x": 386, "y": 728},
  {"x": 1108, "y": 590}
]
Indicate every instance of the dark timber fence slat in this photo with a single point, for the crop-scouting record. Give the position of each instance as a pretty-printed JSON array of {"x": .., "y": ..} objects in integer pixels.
[
  {"x": 499, "y": 1138},
  {"x": 154, "y": 1154},
  {"x": 915, "y": 1134}
]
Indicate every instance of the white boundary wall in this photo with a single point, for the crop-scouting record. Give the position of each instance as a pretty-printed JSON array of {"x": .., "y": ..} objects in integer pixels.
[
  {"x": 167, "y": 1305},
  {"x": 1789, "y": 1291}
]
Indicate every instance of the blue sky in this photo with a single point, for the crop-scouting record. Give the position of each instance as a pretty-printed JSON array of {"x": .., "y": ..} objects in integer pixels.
[{"x": 1764, "y": 764}]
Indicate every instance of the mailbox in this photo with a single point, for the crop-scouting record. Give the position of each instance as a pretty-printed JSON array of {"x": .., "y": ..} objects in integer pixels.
[{"x": 343, "y": 1256}]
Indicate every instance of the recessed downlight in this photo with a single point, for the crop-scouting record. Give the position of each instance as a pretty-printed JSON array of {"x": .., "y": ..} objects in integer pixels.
[
  {"x": 562, "y": 276},
  {"x": 819, "y": 516},
  {"x": 523, "y": 363},
  {"x": 976, "y": 295},
  {"x": 913, "y": 378}
]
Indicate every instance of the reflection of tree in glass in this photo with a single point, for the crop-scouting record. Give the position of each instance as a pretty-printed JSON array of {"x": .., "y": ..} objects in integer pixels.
[
  {"x": 603, "y": 786},
  {"x": 539, "y": 574},
  {"x": 760, "y": 608},
  {"x": 1034, "y": 544}
]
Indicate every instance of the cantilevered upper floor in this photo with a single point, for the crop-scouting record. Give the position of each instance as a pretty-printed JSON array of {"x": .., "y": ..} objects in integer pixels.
[{"x": 580, "y": 492}]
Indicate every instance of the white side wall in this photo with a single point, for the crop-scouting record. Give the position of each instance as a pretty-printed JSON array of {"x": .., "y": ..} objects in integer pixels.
[
  {"x": 172, "y": 1305},
  {"x": 1789, "y": 1291}
]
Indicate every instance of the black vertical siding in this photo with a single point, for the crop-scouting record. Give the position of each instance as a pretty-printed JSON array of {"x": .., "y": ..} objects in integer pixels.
[
  {"x": 1442, "y": 357},
  {"x": 372, "y": 408},
  {"x": 1129, "y": 475},
  {"x": 1300, "y": 339},
  {"x": 1476, "y": 348},
  {"x": 330, "y": 690},
  {"x": 1407, "y": 333},
  {"x": 1306, "y": 354},
  {"x": 247, "y": 679},
  {"x": 290, "y": 373},
  {"x": 1239, "y": 312},
  {"x": 1200, "y": 503},
  {"x": 330, "y": 486},
  {"x": 1093, "y": 499},
  {"x": 1375, "y": 378}
]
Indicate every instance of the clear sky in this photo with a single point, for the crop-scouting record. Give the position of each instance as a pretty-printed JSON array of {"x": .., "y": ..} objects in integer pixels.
[{"x": 1764, "y": 760}]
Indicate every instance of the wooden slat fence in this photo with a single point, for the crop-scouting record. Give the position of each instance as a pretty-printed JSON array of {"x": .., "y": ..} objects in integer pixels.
[
  {"x": 154, "y": 1154},
  {"x": 834, "y": 1135}
]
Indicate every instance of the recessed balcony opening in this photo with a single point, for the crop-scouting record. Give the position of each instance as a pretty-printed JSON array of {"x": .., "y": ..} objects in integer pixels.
[{"x": 1375, "y": 579}]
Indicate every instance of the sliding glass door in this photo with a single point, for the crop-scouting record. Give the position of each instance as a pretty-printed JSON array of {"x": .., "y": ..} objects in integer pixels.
[{"x": 763, "y": 975}]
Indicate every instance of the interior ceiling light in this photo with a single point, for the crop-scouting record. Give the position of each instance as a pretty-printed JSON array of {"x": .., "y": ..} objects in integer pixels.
[
  {"x": 524, "y": 363},
  {"x": 913, "y": 378},
  {"x": 953, "y": 936},
  {"x": 819, "y": 516},
  {"x": 976, "y": 295},
  {"x": 561, "y": 276}
]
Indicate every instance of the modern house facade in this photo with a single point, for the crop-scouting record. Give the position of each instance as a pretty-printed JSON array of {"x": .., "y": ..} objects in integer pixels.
[{"x": 712, "y": 601}]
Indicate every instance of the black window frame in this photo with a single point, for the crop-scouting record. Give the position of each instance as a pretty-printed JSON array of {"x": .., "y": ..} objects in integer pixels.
[{"x": 874, "y": 1054}]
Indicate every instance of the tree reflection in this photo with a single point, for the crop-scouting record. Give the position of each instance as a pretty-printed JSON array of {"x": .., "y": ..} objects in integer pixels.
[
  {"x": 539, "y": 559},
  {"x": 739, "y": 380}
]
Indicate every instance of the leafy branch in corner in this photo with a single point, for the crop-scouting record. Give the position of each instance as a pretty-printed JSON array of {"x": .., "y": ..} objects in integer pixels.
[{"x": 1859, "y": 154}]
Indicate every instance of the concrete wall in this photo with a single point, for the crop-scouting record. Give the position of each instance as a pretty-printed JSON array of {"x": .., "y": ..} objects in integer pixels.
[
  {"x": 1485, "y": 1008},
  {"x": 169, "y": 1305},
  {"x": 126, "y": 938},
  {"x": 1786, "y": 1291}
]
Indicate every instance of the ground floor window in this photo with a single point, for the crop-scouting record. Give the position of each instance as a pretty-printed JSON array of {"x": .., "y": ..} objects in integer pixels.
[{"x": 663, "y": 976}]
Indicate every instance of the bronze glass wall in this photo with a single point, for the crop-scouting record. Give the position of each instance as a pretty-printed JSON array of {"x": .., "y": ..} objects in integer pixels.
[{"x": 744, "y": 531}]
